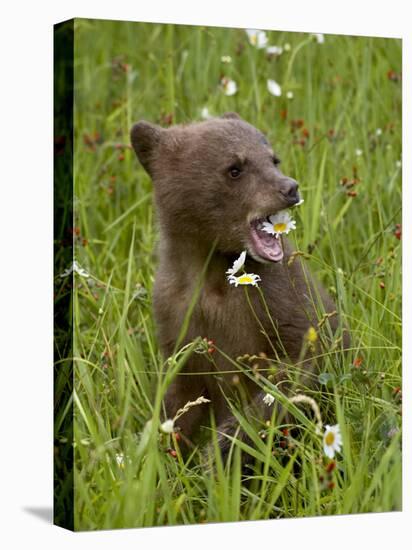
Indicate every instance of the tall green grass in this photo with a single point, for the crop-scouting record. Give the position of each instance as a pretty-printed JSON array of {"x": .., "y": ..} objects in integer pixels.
[{"x": 126, "y": 473}]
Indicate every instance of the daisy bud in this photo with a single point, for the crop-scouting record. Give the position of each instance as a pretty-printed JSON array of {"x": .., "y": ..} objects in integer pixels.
[{"x": 167, "y": 427}]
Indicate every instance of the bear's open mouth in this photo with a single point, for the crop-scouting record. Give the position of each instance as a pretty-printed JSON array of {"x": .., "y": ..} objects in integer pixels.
[{"x": 267, "y": 247}]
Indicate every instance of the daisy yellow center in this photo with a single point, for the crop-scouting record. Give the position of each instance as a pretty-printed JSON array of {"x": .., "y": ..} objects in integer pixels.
[
  {"x": 245, "y": 279},
  {"x": 279, "y": 227},
  {"x": 330, "y": 438},
  {"x": 253, "y": 39}
]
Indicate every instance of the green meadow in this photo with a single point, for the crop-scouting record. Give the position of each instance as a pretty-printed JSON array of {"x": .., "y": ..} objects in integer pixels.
[{"x": 337, "y": 128}]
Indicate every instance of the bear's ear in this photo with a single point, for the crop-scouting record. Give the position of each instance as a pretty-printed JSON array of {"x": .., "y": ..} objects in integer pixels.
[
  {"x": 234, "y": 116},
  {"x": 145, "y": 138}
]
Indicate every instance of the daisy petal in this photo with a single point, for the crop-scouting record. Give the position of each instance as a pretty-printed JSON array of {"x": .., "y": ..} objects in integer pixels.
[
  {"x": 237, "y": 264},
  {"x": 274, "y": 88},
  {"x": 229, "y": 86}
]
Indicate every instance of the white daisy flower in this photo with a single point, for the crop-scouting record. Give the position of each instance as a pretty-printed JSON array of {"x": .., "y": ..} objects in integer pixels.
[
  {"x": 245, "y": 279},
  {"x": 320, "y": 38},
  {"x": 257, "y": 38},
  {"x": 358, "y": 152},
  {"x": 279, "y": 223},
  {"x": 378, "y": 131},
  {"x": 226, "y": 59},
  {"x": 205, "y": 113},
  {"x": 274, "y": 88},
  {"x": 167, "y": 427},
  {"x": 274, "y": 50},
  {"x": 268, "y": 399},
  {"x": 76, "y": 269},
  {"x": 332, "y": 440},
  {"x": 237, "y": 264},
  {"x": 289, "y": 95},
  {"x": 120, "y": 460},
  {"x": 229, "y": 86}
]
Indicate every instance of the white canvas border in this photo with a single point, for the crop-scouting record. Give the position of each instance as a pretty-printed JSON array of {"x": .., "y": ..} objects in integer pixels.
[{"x": 26, "y": 289}]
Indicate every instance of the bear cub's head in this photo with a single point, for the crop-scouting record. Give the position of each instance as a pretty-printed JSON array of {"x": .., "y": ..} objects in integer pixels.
[{"x": 215, "y": 182}]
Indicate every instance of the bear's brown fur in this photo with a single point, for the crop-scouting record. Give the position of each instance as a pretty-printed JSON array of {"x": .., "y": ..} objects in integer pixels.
[{"x": 212, "y": 179}]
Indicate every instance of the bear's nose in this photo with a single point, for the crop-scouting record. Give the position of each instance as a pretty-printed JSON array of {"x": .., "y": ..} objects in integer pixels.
[{"x": 289, "y": 189}]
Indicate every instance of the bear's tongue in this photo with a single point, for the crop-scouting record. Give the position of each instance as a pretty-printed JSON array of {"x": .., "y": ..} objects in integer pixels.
[{"x": 267, "y": 246}]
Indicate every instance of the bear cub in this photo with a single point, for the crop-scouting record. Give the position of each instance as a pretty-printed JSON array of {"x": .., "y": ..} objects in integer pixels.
[{"x": 215, "y": 182}]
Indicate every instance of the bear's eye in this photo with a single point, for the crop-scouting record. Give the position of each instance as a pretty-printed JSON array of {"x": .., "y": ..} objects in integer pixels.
[
  {"x": 235, "y": 171},
  {"x": 276, "y": 161}
]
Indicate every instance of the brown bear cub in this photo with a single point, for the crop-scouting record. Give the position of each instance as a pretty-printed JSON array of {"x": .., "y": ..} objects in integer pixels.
[{"x": 214, "y": 183}]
